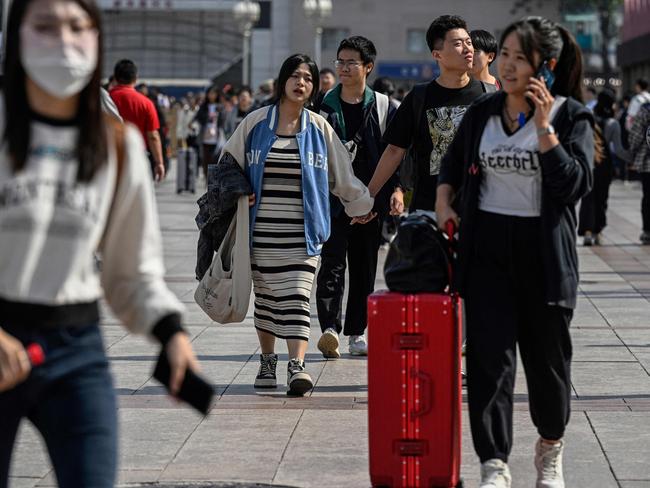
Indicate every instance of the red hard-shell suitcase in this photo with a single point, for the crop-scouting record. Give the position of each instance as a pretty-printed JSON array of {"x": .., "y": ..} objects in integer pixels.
[{"x": 414, "y": 389}]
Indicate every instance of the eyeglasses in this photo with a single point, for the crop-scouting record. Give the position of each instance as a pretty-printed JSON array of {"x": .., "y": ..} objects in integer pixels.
[{"x": 339, "y": 63}]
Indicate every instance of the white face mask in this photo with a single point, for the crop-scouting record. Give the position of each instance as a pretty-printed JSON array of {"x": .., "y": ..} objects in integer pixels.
[{"x": 60, "y": 68}]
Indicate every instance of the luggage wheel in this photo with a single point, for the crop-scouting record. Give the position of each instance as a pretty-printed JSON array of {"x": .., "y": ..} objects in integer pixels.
[{"x": 460, "y": 484}]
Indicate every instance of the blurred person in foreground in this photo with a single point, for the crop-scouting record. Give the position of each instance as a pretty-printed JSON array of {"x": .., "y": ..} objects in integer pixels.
[{"x": 73, "y": 182}]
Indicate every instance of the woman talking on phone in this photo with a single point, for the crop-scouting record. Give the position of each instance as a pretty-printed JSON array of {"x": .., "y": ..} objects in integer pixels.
[
  {"x": 72, "y": 182},
  {"x": 521, "y": 160}
]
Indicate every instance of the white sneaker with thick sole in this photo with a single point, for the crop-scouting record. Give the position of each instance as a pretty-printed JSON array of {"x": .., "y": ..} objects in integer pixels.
[
  {"x": 328, "y": 344},
  {"x": 495, "y": 474},
  {"x": 358, "y": 346},
  {"x": 548, "y": 461}
]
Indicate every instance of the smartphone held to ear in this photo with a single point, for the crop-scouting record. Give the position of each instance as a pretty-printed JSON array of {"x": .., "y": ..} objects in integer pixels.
[
  {"x": 195, "y": 390},
  {"x": 545, "y": 74}
]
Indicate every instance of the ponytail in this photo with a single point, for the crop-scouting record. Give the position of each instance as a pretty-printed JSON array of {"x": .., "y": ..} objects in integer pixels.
[{"x": 568, "y": 71}]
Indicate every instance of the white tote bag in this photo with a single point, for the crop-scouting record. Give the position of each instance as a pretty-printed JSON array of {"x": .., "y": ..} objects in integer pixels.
[{"x": 225, "y": 290}]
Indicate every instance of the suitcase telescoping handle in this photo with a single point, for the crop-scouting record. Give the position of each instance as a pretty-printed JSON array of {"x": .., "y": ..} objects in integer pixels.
[
  {"x": 425, "y": 388},
  {"x": 450, "y": 230}
]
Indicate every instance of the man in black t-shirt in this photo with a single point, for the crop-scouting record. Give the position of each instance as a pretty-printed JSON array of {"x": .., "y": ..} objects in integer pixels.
[
  {"x": 427, "y": 119},
  {"x": 359, "y": 116}
]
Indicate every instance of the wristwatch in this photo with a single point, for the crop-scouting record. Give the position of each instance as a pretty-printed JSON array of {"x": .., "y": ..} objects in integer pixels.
[{"x": 549, "y": 129}]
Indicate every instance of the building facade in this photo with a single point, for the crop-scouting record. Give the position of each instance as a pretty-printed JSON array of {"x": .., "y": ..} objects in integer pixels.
[
  {"x": 397, "y": 28},
  {"x": 194, "y": 41},
  {"x": 634, "y": 50},
  {"x": 176, "y": 41}
]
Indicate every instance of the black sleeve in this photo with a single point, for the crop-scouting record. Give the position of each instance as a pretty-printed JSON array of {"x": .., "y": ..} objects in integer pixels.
[
  {"x": 401, "y": 129},
  {"x": 567, "y": 168},
  {"x": 167, "y": 327}
]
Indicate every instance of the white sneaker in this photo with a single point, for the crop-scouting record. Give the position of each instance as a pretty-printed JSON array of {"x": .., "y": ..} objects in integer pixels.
[
  {"x": 548, "y": 461},
  {"x": 357, "y": 345},
  {"x": 328, "y": 344},
  {"x": 495, "y": 474}
]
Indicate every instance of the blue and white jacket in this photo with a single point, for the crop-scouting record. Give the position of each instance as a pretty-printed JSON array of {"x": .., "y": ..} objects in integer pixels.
[{"x": 326, "y": 166}]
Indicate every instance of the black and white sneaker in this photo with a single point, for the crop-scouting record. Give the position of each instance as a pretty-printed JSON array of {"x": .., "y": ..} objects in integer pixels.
[
  {"x": 266, "y": 375},
  {"x": 298, "y": 380}
]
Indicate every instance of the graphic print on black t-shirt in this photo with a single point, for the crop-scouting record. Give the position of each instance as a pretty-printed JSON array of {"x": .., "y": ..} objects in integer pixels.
[
  {"x": 443, "y": 122},
  {"x": 431, "y": 135}
]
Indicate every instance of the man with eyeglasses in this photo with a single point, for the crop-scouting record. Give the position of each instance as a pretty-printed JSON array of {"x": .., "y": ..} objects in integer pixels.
[{"x": 359, "y": 116}]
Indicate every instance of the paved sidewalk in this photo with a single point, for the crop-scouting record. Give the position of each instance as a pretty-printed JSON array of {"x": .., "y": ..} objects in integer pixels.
[{"x": 321, "y": 440}]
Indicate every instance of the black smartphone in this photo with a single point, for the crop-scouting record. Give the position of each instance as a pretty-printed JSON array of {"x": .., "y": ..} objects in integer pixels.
[
  {"x": 545, "y": 73},
  {"x": 195, "y": 390}
]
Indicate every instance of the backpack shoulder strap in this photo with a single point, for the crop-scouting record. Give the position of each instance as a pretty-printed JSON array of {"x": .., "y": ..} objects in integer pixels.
[
  {"x": 382, "y": 110},
  {"x": 488, "y": 88},
  {"x": 419, "y": 94}
]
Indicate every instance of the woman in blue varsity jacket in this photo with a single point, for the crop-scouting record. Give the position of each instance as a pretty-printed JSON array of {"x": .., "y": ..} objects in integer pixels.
[
  {"x": 293, "y": 159},
  {"x": 520, "y": 161}
]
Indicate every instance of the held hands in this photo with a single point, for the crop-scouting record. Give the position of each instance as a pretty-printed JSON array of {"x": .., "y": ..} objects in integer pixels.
[
  {"x": 14, "y": 362},
  {"x": 181, "y": 356},
  {"x": 363, "y": 219},
  {"x": 539, "y": 94},
  {"x": 397, "y": 202},
  {"x": 251, "y": 199}
]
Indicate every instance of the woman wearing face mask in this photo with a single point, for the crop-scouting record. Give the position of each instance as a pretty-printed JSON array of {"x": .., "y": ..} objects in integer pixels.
[
  {"x": 520, "y": 170},
  {"x": 72, "y": 182},
  {"x": 293, "y": 159}
]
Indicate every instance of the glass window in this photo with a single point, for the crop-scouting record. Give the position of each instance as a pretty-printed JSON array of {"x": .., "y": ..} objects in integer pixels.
[
  {"x": 332, "y": 37},
  {"x": 416, "y": 41}
]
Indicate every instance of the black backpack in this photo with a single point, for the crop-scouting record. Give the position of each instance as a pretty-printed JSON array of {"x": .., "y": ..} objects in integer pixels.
[{"x": 419, "y": 257}]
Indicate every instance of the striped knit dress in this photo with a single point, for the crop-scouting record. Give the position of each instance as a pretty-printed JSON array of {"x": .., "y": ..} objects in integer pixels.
[{"x": 283, "y": 273}]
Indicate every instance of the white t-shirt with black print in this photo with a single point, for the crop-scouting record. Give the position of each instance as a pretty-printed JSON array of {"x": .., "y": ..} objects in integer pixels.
[{"x": 512, "y": 177}]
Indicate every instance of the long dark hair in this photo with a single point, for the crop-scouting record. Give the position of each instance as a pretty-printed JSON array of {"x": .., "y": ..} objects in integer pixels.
[
  {"x": 551, "y": 40},
  {"x": 92, "y": 146},
  {"x": 290, "y": 65},
  {"x": 605, "y": 105}
]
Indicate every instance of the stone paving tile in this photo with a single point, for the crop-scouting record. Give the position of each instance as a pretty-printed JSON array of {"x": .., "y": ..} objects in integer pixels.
[
  {"x": 151, "y": 438},
  {"x": 30, "y": 458},
  {"x": 131, "y": 476},
  {"x": 626, "y": 440},
  {"x": 235, "y": 445},
  {"x": 599, "y": 345},
  {"x": 338, "y": 440},
  {"x": 19, "y": 482},
  {"x": 609, "y": 379}
]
